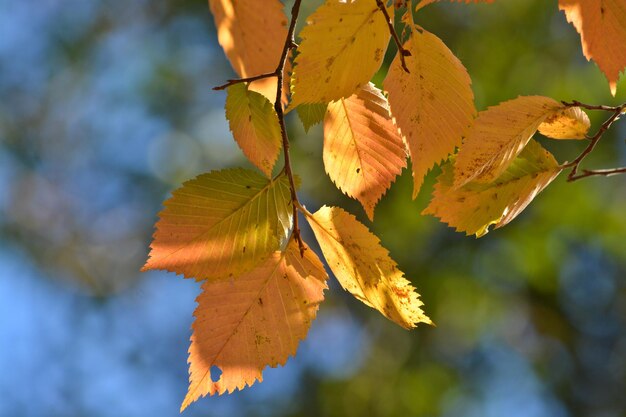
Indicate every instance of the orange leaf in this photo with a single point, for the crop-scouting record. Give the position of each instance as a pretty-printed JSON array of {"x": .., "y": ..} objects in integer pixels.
[
  {"x": 602, "y": 28},
  {"x": 433, "y": 104},
  {"x": 253, "y": 321},
  {"x": 363, "y": 150},
  {"x": 252, "y": 34}
]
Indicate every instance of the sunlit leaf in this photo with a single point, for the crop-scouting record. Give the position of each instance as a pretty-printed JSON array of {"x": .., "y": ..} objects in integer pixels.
[
  {"x": 602, "y": 28},
  {"x": 253, "y": 321},
  {"x": 255, "y": 127},
  {"x": 433, "y": 104},
  {"x": 498, "y": 135},
  {"x": 476, "y": 206},
  {"x": 571, "y": 123},
  {"x": 252, "y": 33},
  {"x": 363, "y": 267},
  {"x": 363, "y": 150},
  {"x": 342, "y": 47},
  {"x": 221, "y": 224}
]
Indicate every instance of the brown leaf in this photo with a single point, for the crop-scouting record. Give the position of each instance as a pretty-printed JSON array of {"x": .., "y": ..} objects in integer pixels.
[
  {"x": 254, "y": 321},
  {"x": 363, "y": 150},
  {"x": 602, "y": 28}
]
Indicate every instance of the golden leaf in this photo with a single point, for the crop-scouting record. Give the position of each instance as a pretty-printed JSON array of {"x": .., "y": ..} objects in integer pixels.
[
  {"x": 571, "y": 123},
  {"x": 342, "y": 47},
  {"x": 253, "y": 321},
  {"x": 255, "y": 126},
  {"x": 498, "y": 135},
  {"x": 221, "y": 224},
  {"x": 602, "y": 28},
  {"x": 433, "y": 104},
  {"x": 363, "y": 150},
  {"x": 476, "y": 206},
  {"x": 363, "y": 267}
]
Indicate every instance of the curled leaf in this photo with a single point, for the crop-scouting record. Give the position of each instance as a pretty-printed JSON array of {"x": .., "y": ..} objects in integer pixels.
[{"x": 363, "y": 267}]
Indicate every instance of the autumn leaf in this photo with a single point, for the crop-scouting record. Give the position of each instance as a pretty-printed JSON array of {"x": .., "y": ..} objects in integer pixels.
[
  {"x": 342, "y": 47},
  {"x": 363, "y": 150},
  {"x": 221, "y": 224},
  {"x": 255, "y": 127},
  {"x": 499, "y": 134},
  {"x": 433, "y": 104},
  {"x": 570, "y": 123},
  {"x": 311, "y": 114},
  {"x": 602, "y": 28},
  {"x": 476, "y": 206},
  {"x": 253, "y": 321},
  {"x": 252, "y": 33},
  {"x": 363, "y": 267}
]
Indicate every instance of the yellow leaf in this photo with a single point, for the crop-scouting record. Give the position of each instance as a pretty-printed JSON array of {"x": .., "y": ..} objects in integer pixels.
[
  {"x": 255, "y": 126},
  {"x": 433, "y": 104},
  {"x": 363, "y": 150},
  {"x": 476, "y": 206},
  {"x": 254, "y": 321},
  {"x": 363, "y": 267},
  {"x": 252, "y": 34},
  {"x": 498, "y": 135},
  {"x": 221, "y": 224},
  {"x": 571, "y": 123},
  {"x": 342, "y": 47},
  {"x": 602, "y": 28}
]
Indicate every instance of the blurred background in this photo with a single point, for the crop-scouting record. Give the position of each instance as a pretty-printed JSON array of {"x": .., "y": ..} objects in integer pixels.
[{"x": 106, "y": 106}]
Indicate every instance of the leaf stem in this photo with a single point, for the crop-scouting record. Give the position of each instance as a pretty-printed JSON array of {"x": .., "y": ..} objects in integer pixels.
[
  {"x": 593, "y": 141},
  {"x": 403, "y": 52}
]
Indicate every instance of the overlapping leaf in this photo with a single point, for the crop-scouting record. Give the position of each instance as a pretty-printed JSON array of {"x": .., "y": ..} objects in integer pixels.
[
  {"x": 476, "y": 206},
  {"x": 433, "y": 104},
  {"x": 499, "y": 134},
  {"x": 255, "y": 127},
  {"x": 257, "y": 320},
  {"x": 602, "y": 28},
  {"x": 311, "y": 114},
  {"x": 363, "y": 150},
  {"x": 252, "y": 34},
  {"x": 342, "y": 47},
  {"x": 363, "y": 267},
  {"x": 570, "y": 123},
  {"x": 221, "y": 224}
]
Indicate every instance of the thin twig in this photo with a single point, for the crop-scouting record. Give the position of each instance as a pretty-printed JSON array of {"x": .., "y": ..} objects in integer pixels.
[
  {"x": 401, "y": 51},
  {"x": 593, "y": 141},
  {"x": 290, "y": 43},
  {"x": 576, "y": 103},
  {"x": 598, "y": 172},
  {"x": 245, "y": 80}
]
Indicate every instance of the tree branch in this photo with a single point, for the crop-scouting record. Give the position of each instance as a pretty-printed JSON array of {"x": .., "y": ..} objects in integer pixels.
[
  {"x": 403, "y": 52},
  {"x": 290, "y": 43},
  {"x": 575, "y": 164}
]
